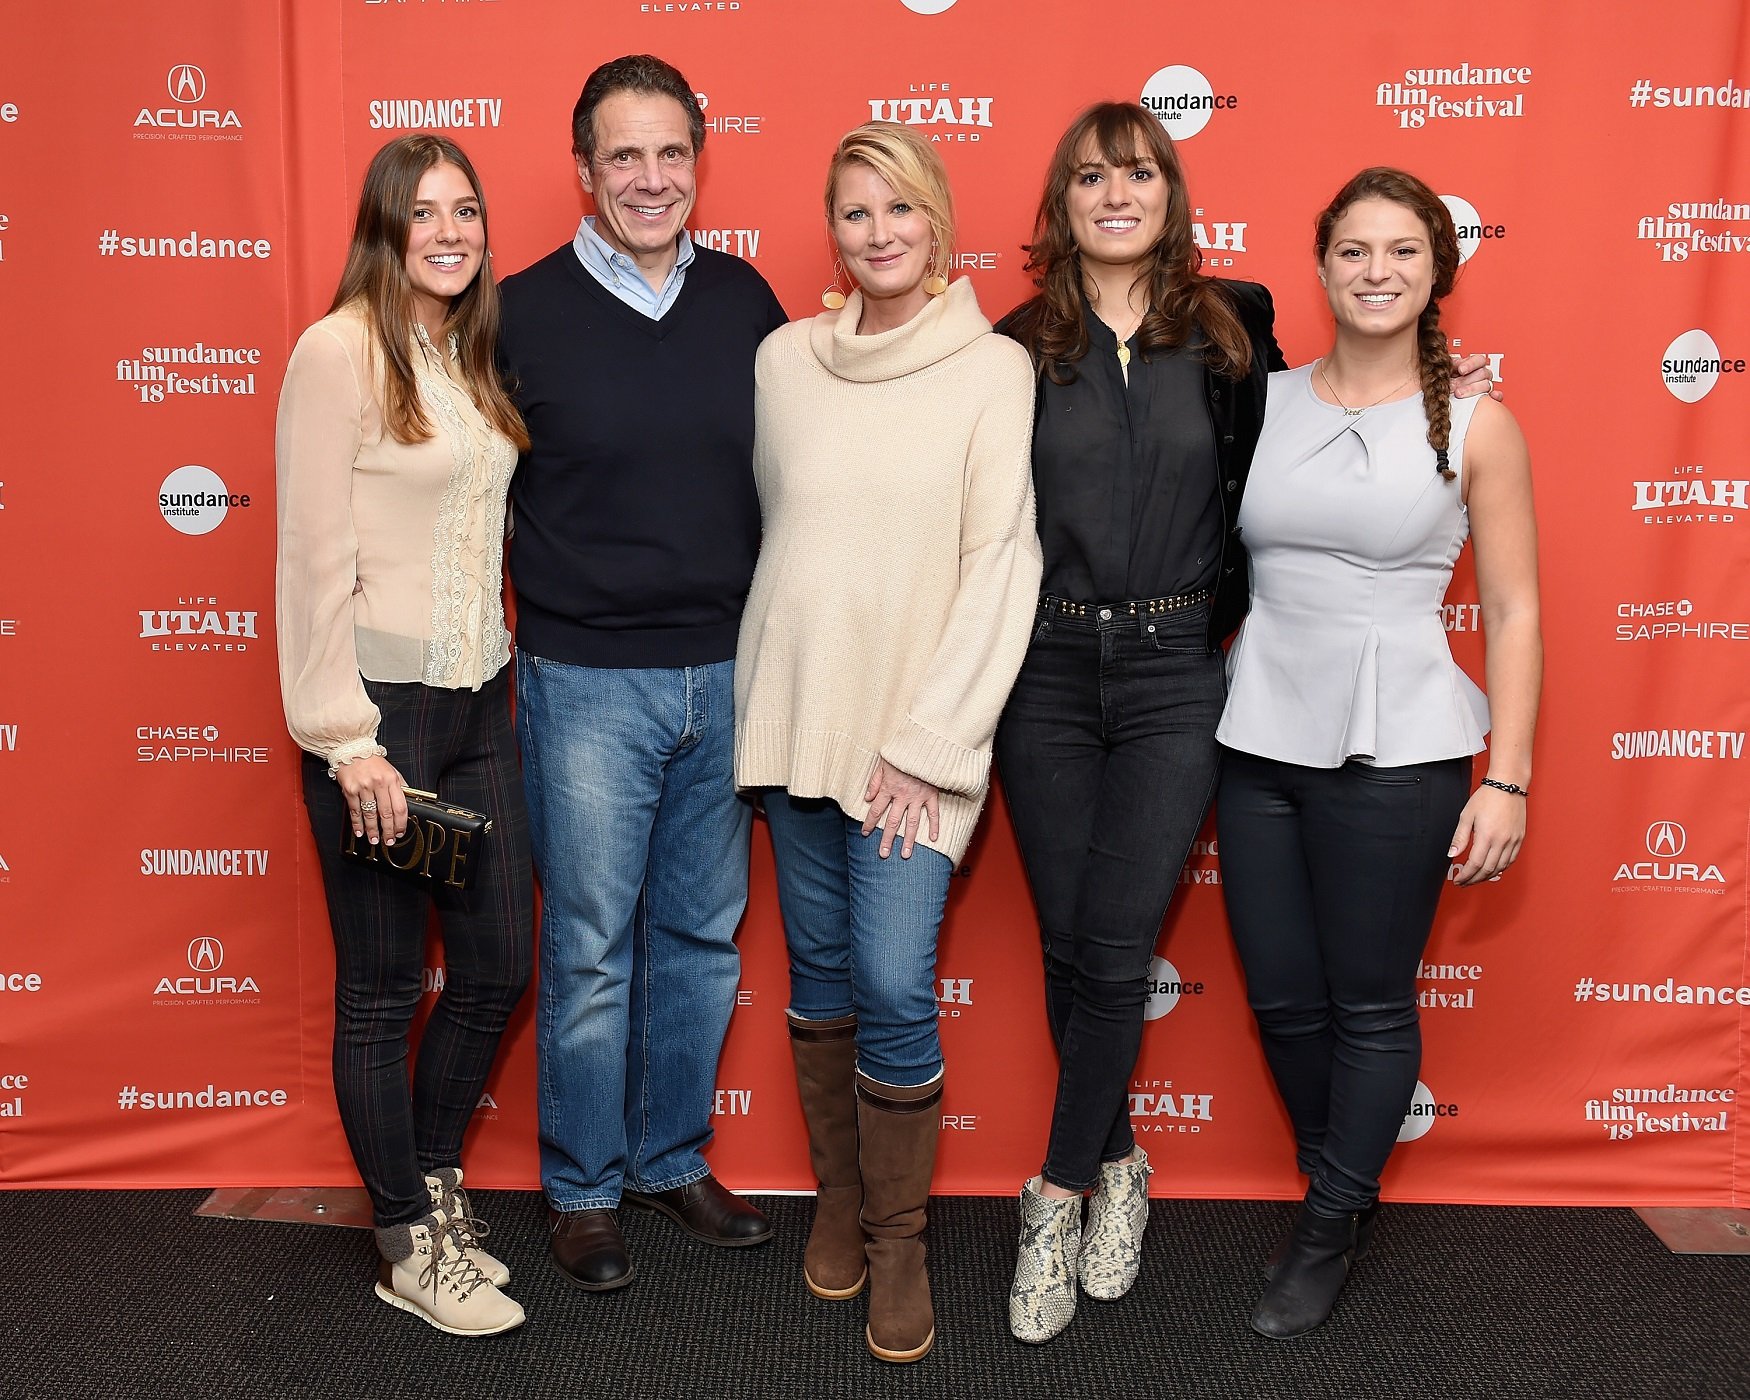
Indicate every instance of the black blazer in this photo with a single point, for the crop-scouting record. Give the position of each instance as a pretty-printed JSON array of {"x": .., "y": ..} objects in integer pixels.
[{"x": 1236, "y": 412}]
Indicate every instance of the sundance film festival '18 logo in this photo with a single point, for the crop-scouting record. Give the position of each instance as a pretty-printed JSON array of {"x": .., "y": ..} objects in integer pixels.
[
  {"x": 1683, "y": 230},
  {"x": 12, "y": 1087},
  {"x": 1669, "y": 868},
  {"x": 1692, "y": 365},
  {"x": 224, "y": 371},
  {"x": 1183, "y": 101},
  {"x": 938, "y": 108},
  {"x": 187, "y": 119},
  {"x": 1422, "y": 95},
  {"x": 1630, "y": 1111}
]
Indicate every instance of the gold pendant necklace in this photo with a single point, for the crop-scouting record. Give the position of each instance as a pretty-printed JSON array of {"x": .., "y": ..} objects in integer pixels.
[
  {"x": 1123, "y": 339},
  {"x": 1357, "y": 412}
]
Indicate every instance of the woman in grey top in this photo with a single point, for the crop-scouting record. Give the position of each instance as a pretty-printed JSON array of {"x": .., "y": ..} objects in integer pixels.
[{"x": 1346, "y": 788}]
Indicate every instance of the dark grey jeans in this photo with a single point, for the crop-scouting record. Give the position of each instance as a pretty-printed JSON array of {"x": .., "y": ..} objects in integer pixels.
[
  {"x": 1108, "y": 757},
  {"x": 459, "y": 744},
  {"x": 1331, "y": 877}
]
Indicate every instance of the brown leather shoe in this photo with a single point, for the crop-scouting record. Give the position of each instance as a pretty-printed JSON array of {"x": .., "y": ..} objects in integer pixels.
[
  {"x": 709, "y": 1211},
  {"x": 588, "y": 1248}
]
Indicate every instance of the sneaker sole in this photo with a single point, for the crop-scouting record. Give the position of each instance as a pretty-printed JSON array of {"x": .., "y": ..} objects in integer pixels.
[{"x": 395, "y": 1300}]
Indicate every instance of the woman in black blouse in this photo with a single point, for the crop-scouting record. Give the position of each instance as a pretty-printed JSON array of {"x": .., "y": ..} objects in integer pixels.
[
  {"x": 1151, "y": 389},
  {"x": 1151, "y": 395}
]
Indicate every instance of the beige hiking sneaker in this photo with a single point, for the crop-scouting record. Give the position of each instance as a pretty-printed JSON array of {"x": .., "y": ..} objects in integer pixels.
[
  {"x": 425, "y": 1271},
  {"x": 447, "y": 1195}
]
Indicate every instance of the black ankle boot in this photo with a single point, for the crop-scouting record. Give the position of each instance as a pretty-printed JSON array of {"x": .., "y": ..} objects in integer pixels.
[
  {"x": 1366, "y": 1222},
  {"x": 1311, "y": 1275}
]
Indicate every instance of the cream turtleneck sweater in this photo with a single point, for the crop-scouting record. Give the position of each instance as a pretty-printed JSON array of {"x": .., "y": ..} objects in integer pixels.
[{"x": 899, "y": 570}]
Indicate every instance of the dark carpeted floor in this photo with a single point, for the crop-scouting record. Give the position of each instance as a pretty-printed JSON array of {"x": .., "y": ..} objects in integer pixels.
[{"x": 112, "y": 1294}]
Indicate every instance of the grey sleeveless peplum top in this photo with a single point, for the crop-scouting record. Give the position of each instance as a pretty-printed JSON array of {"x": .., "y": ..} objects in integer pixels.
[{"x": 1352, "y": 535}]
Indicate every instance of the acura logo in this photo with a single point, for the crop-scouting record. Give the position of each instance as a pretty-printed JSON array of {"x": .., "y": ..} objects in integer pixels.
[
  {"x": 187, "y": 83},
  {"x": 1666, "y": 839},
  {"x": 206, "y": 954}
]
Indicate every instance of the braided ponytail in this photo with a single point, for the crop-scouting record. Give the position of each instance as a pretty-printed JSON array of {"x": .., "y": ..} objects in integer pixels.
[
  {"x": 1400, "y": 187},
  {"x": 1436, "y": 366}
]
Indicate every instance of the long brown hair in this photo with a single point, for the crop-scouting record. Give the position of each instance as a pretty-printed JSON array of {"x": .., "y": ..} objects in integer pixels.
[
  {"x": 1179, "y": 296},
  {"x": 375, "y": 281},
  {"x": 1432, "y": 357}
]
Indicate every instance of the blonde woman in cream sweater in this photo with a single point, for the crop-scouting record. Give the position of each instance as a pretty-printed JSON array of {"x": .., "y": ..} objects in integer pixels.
[{"x": 888, "y": 617}]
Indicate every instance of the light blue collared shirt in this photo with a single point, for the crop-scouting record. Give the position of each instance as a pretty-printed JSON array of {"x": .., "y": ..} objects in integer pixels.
[{"x": 620, "y": 275}]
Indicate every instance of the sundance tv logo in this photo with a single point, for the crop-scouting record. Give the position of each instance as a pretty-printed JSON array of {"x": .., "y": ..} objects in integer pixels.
[{"x": 187, "y": 119}]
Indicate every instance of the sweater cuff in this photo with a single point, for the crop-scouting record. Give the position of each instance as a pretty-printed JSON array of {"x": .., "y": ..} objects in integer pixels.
[
  {"x": 940, "y": 762},
  {"x": 354, "y": 748}
]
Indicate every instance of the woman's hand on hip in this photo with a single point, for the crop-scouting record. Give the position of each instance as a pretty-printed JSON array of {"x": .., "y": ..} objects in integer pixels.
[
  {"x": 898, "y": 803},
  {"x": 1492, "y": 825},
  {"x": 376, "y": 800}
]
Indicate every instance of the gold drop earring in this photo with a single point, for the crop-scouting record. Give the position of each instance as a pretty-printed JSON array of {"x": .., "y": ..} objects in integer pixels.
[
  {"x": 935, "y": 284},
  {"x": 833, "y": 298}
]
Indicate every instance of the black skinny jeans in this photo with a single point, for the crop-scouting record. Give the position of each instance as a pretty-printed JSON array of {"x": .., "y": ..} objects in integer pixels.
[
  {"x": 1108, "y": 758},
  {"x": 1331, "y": 877},
  {"x": 459, "y": 744}
]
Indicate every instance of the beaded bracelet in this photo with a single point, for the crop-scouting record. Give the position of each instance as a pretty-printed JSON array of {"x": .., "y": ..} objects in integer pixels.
[{"x": 1513, "y": 788}]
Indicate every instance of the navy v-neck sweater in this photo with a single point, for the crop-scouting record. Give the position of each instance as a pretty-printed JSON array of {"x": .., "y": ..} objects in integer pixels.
[{"x": 637, "y": 522}]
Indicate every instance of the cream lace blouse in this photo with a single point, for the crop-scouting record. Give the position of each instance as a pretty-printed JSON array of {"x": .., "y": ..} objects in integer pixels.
[{"x": 390, "y": 554}]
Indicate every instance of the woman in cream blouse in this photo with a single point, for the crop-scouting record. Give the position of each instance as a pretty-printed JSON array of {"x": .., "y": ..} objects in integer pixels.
[{"x": 394, "y": 449}]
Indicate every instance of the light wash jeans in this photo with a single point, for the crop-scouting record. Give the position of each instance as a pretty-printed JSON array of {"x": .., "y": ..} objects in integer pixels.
[
  {"x": 861, "y": 932},
  {"x": 641, "y": 847}
]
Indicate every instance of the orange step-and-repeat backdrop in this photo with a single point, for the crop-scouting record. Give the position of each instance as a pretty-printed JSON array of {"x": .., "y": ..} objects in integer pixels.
[{"x": 176, "y": 187}]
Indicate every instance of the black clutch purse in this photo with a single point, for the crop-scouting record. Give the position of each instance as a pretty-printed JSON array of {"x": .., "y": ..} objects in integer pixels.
[{"x": 439, "y": 850}]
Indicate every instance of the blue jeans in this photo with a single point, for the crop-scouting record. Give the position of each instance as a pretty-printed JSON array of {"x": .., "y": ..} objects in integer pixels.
[
  {"x": 641, "y": 846},
  {"x": 861, "y": 932}
]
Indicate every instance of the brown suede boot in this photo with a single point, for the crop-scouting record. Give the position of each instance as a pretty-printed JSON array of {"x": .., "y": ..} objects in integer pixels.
[
  {"x": 898, "y": 1127},
  {"x": 826, "y": 1077}
]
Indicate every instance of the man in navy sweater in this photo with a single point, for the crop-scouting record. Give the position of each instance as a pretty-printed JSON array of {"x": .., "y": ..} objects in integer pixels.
[{"x": 631, "y": 354}]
